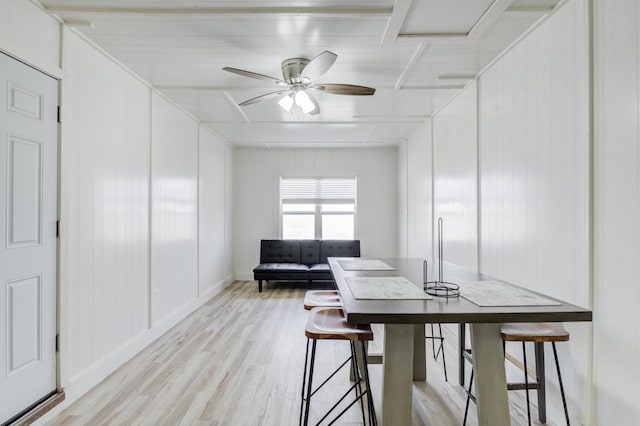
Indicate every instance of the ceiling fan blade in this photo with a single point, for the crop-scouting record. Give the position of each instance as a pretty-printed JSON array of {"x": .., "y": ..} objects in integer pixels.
[
  {"x": 264, "y": 97},
  {"x": 319, "y": 65},
  {"x": 344, "y": 89},
  {"x": 254, "y": 75}
]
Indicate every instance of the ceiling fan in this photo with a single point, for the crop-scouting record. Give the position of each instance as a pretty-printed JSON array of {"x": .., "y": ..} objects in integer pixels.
[{"x": 298, "y": 81}]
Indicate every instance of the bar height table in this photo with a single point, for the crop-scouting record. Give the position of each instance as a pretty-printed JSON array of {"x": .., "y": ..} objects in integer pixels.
[{"x": 404, "y": 322}]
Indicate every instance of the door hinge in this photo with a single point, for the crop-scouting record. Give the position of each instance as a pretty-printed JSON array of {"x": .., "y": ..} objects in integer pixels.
[
  {"x": 57, "y": 229},
  {"x": 57, "y": 342},
  {"x": 59, "y": 115}
]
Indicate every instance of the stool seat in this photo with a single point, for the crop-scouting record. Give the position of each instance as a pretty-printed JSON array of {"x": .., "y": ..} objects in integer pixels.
[
  {"x": 327, "y": 323},
  {"x": 317, "y": 298},
  {"x": 534, "y": 332}
]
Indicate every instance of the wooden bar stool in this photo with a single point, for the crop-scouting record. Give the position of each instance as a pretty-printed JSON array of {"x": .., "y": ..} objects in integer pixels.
[
  {"x": 538, "y": 333},
  {"x": 325, "y": 298},
  {"x": 329, "y": 323}
]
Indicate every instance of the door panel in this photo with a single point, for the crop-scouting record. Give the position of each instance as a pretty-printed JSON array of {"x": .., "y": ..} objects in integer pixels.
[{"x": 28, "y": 212}]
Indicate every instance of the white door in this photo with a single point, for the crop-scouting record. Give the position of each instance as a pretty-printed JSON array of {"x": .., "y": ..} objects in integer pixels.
[{"x": 28, "y": 211}]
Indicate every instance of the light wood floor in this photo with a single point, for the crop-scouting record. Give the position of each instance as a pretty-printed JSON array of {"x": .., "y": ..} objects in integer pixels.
[{"x": 238, "y": 360}]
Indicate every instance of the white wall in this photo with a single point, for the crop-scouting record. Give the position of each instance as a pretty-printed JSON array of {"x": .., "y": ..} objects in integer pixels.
[
  {"x": 534, "y": 179},
  {"x": 256, "y": 203},
  {"x": 174, "y": 208},
  {"x": 455, "y": 178},
  {"x": 130, "y": 218},
  {"x": 30, "y": 35},
  {"x": 403, "y": 200},
  {"x": 419, "y": 193},
  {"x": 616, "y": 340},
  {"x": 214, "y": 258},
  {"x": 104, "y": 257}
]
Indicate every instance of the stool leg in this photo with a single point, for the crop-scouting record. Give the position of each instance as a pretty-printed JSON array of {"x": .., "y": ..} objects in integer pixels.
[
  {"x": 444, "y": 359},
  {"x": 373, "y": 420},
  {"x": 542, "y": 382},
  {"x": 313, "y": 360},
  {"x": 304, "y": 380},
  {"x": 466, "y": 408},
  {"x": 433, "y": 343},
  {"x": 357, "y": 377},
  {"x": 526, "y": 381},
  {"x": 462, "y": 331},
  {"x": 564, "y": 400}
]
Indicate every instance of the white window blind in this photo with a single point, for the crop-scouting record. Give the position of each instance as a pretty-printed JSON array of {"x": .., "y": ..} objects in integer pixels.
[{"x": 317, "y": 190}]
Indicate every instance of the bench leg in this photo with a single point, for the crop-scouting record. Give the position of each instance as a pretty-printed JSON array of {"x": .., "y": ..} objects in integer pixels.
[{"x": 260, "y": 286}]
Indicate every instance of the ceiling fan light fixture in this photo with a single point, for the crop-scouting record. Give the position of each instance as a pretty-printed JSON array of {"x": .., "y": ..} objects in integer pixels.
[
  {"x": 286, "y": 103},
  {"x": 304, "y": 102}
]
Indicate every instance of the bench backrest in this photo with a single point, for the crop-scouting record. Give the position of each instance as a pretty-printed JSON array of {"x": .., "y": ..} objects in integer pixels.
[
  {"x": 339, "y": 248},
  {"x": 306, "y": 251},
  {"x": 280, "y": 251}
]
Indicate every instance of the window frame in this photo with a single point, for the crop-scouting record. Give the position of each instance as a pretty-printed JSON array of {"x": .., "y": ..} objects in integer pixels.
[{"x": 318, "y": 203}]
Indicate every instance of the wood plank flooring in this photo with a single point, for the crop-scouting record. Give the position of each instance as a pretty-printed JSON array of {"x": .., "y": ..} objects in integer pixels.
[{"x": 238, "y": 360}]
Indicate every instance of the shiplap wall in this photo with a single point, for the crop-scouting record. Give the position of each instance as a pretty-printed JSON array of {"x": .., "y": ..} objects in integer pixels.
[
  {"x": 403, "y": 199},
  {"x": 104, "y": 206},
  {"x": 256, "y": 195},
  {"x": 130, "y": 218},
  {"x": 534, "y": 178},
  {"x": 455, "y": 179},
  {"x": 214, "y": 257},
  {"x": 30, "y": 35},
  {"x": 616, "y": 340},
  {"x": 419, "y": 193},
  {"x": 174, "y": 208}
]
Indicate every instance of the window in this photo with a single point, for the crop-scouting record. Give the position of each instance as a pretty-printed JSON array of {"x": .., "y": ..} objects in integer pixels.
[{"x": 318, "y": 208}]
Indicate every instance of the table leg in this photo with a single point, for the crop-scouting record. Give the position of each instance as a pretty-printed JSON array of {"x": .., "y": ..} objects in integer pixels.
[
  {"x": 490, "y": 377},
  {"x": 419, "y": 353},
  {"x": 397, "y": 365}
]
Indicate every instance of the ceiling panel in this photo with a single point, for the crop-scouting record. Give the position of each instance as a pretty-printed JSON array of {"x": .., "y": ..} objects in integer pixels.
[
  {"x": 180, "y": 47},
  {"x": 442, "y": 17}
]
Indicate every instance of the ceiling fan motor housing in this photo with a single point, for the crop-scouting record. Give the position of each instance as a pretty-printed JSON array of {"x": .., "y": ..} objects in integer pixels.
[{"x": 292, "y": 68}]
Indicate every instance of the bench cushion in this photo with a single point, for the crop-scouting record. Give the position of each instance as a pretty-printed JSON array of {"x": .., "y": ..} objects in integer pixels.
[
  {"x": 280, "y": 251},
  {"x": 320, "y": 271},
  {"x": 281, "y": 271}
]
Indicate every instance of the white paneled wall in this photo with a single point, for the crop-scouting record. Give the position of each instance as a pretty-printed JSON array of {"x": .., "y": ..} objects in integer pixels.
[
  {"x": 534, "y": 160},
  {"x": 455, "y": 178},
  {"x": 129, "y": 247},
  {"x": 403, "y": 199},
  {"x": 419, "y": 193},
  {"x": 174, "y": 208},
  {"x": 213, "y": 255},
  {"x": 256, "y": 196},
  {"x": 30, "y": 35},
  {"x": 534, "y": 177},
  {"x": 104, "y": 206},
  {"x": 617, "y": 214}
]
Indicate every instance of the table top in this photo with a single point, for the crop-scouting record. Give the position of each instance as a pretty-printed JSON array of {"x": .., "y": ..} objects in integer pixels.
[{"x": 440, "y": 309}]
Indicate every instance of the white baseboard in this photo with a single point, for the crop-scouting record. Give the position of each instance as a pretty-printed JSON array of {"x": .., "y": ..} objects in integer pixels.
[
  {"x": 89, "y": 378},
  {"x": 244, "y": 276}
]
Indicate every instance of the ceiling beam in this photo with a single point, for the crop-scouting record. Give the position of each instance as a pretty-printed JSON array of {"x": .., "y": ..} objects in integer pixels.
[
  {"x": 400, "y": 10},
  {"x": 490, "y": 17},
  {"x": 411, "y": 38},
  {"x": 414, "y": 58},
  {"x": 236, "y": 107},
  {"x": 224, "y": 11}
]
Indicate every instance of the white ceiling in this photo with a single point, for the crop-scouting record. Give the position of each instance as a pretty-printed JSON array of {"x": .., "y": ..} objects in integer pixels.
[{"x": 416, "y": 53}]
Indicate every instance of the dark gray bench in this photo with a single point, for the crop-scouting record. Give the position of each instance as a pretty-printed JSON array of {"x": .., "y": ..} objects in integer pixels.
[{"x": 300, "y": 260}]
